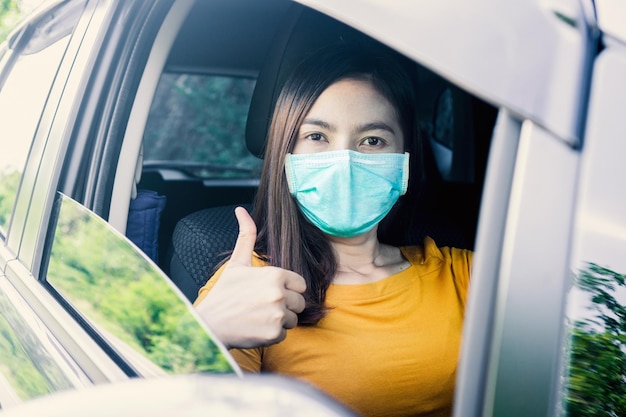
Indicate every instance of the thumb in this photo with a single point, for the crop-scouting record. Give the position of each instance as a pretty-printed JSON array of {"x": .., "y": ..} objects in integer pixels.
[{"x": 242, "y": 253}]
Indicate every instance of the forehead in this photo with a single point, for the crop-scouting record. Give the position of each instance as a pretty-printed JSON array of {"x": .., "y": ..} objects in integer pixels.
[{"x": 355, "y": 97}]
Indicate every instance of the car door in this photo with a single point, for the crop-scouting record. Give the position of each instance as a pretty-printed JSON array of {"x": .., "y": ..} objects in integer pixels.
[
  {"x": 595, "y": 316},
  {"x": 55, "y": 336},
  {"x": 101, "y": 311},
  {"x": 33, "y": 362}
]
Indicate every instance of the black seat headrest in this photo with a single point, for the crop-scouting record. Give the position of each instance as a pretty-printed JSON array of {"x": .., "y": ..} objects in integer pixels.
[
  {"x": 303, "y": 31},
  {"x": 200, "y": 241}
]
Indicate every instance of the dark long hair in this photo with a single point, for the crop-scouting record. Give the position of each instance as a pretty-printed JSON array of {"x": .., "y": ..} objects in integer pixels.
[{"x": 285, "y": 238}]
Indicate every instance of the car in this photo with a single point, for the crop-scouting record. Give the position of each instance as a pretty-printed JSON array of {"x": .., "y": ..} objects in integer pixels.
[{"x": 129, "y": 131}]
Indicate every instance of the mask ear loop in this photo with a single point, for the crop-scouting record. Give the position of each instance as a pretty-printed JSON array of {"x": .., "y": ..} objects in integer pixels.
[
  {"x": 289, "y": 173},
  {"x": 405, "y": 173}
]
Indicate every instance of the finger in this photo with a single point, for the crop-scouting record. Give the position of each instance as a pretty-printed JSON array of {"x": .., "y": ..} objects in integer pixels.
[
  {"x": 294, "y": 301},
  {"x": 266, "y": 343},
  {"x": 295, "y": 282},
  {"x": 242, "y": 253},
  {"x": 290, "y": 321}
]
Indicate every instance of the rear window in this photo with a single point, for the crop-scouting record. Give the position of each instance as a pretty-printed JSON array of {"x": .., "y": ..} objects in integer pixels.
[{"x": 197, "y": 125}]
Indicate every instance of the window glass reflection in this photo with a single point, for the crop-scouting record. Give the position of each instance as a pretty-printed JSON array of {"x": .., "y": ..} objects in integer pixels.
[
  {"x": 27, "y": 367},
  {"x": 130, "y": 301},
  {"x": 31, "y": 72},
  {"x": 23, "y": 97}
]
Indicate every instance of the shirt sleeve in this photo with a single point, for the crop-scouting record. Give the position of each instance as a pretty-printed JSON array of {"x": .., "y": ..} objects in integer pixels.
[
  {"x": 256, "y": 261},
  {"x": 459, "y": 262},
  {"x": 248, "y": 359},
  {"x": 209, "y": 285},
  {"x": 462, "y": 270}
]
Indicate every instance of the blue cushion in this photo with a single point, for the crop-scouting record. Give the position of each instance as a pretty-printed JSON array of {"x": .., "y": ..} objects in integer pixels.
[{"x": 144, "y": 217}]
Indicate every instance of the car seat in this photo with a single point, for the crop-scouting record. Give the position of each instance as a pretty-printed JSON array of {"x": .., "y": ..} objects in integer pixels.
[
  {"x": 202, "y": 239},
  {"x": 199, "y": 242}
]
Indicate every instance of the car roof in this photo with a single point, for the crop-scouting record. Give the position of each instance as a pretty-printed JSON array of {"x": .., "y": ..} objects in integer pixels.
[
  {"x": 234, "y": 48},
  {"x": 507, "y": 53}
]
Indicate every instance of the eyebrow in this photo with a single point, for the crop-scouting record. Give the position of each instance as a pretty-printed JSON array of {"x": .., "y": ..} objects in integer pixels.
[
  {"x": 360, "y": 129},
  {"x": 375, "y": 126},
  {"x": 319, "y": 123}
]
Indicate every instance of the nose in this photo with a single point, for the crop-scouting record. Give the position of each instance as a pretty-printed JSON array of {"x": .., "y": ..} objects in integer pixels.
[{"x": 342, "y": 142}]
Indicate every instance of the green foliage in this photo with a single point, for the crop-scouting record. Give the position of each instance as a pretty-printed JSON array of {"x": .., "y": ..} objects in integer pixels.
[
  {"x": 120, "y": 291},
  {"x": 200, "y": 118},
  {"x": 8, "y": 190},
  {"x": 597, "y": 362},
  {"x": 9, "y": 16}
]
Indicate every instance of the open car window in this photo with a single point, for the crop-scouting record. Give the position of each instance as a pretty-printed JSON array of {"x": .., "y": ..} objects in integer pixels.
[{"x": 128, "y": 305}]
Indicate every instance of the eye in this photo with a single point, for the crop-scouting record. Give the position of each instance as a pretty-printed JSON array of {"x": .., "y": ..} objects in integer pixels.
[
  {"x": 314, "y": 136},
  {"x": 374, "y": 141}
]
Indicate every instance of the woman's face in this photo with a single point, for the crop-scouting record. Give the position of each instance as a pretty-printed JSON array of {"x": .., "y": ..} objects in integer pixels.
[{"x": 350, "y": 115}]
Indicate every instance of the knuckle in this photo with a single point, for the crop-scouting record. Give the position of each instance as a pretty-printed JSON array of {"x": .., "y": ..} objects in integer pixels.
[
  {"x": 275, "y": 331},
  {"x": 300, "y": 306},
  {"x": 275, "y": 296}
]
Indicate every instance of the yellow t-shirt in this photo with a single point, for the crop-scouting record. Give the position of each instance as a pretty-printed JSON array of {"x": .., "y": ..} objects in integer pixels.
[{"x": 387, "y": 348}]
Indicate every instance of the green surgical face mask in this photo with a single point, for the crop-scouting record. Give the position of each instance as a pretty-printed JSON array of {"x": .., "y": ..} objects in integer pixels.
[{"x": 346, "y": 193}]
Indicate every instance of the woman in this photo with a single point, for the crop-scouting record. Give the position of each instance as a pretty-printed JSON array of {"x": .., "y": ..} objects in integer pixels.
[{"x": 374, "y": 325}]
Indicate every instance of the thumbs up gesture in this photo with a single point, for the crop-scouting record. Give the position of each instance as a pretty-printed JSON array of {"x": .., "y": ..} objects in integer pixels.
[{"x": 252, "y": 306}]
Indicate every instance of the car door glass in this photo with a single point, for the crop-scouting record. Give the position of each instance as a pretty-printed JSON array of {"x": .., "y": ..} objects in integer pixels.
[
  {"x": 209, "y": 112},
  {"x": 30, "y": 364},
  {"x": 129, "y": 303},
  {"x": 24, "y": 86}
]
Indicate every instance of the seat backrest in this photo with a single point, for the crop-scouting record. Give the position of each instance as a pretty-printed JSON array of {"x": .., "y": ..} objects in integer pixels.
[{"x": 200, "y": 242}]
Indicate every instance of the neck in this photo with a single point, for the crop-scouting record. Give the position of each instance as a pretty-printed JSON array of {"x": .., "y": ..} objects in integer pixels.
[
  {"x": 364, "y": 259},
  {"x": 357, "y": 251}
]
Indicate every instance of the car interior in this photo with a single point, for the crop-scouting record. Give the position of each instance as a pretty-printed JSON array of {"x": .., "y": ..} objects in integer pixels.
[{"x": 186, "y": 223}]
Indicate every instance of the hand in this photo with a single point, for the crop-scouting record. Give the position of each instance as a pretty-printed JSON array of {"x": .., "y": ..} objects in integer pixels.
[{"x": 252, "y": 306}]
